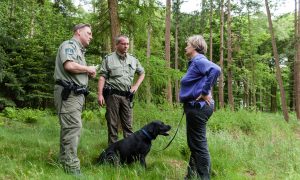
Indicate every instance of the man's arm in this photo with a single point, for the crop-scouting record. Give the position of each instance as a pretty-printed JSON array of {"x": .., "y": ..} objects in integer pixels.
[
  {"x": 101, "y": 83},
  {"x": 135, "y": 87},
  {"x": 76, "y": 68}
]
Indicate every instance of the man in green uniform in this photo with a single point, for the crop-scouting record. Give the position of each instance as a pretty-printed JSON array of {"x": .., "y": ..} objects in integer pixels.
[
  {"x": 71, "y": 77},
  {"x": 115, "y": 88}
]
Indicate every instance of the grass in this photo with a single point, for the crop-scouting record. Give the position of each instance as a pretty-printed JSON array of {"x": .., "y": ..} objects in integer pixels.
[{"x": 243, "y": 145}]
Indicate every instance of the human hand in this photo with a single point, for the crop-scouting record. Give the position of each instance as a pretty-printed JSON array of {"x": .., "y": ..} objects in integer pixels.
[
  {"x": 91, "y": 70},
  {"x": 133, "y": 89},
  {"x": 204, "y": 98},
  {"x": 101, "y": 100}
]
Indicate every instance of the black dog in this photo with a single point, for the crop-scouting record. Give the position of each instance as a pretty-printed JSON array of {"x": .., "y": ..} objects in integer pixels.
[{"x": 135, "y": 147}]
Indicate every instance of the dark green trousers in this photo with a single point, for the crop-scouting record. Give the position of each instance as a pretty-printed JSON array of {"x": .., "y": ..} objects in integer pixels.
[
  {"x": 69, "y": 113},
  {"x": 118, "y": 110}
]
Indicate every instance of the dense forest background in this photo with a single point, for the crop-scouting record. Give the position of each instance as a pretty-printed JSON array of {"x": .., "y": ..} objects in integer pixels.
[{"x": 238, "y": 33}]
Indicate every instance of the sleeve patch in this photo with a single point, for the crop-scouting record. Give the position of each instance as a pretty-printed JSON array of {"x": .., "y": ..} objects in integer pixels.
[{"x": 69, "y": 51}]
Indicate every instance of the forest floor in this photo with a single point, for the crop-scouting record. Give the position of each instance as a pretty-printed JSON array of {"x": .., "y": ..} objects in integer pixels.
[{"x": 243, "y": 145}]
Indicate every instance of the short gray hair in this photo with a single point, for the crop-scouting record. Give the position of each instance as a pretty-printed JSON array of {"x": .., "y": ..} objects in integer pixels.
[
  {"x": 80, "y": 26},
  {"x": 198, "y": 42},
  {"x": 117, "y": 39}
]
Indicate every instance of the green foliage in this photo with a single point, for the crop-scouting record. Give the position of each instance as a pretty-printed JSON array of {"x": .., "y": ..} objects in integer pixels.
[
  {"x": 239, "y": 123},
  {"x": 30, "y": 116},
  {"x": 95, "y": 115},
  {"x": 158, "y": 75},
  {"x": 31, "y": 31},
  {"x": 255, "y": 154}
]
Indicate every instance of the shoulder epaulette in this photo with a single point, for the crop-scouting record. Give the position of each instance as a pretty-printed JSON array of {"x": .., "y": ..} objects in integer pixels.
[{"x": 71, "y": 42}]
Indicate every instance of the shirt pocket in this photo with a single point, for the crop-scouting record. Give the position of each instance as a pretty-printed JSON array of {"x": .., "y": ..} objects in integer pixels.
[
  {"x": 131, "y": 69},
  {"x": 81, "y": 60},
  {"x": 116, "y": 71}
]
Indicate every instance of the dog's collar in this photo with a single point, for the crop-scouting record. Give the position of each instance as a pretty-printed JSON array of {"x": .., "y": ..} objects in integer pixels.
[{"x": 147, "y": 134}]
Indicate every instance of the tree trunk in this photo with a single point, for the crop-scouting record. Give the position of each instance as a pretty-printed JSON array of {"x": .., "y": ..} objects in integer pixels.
[
  {"x": 176, "y": 47},
  {"x": 273, "y": 97},
  {"x": 203, "y": 17},
  {"x": 246, "y": 93},
  {"x": 32, "y": 25},
  {"x": 167, "y": 47},
  {"x": 297, "y": 64},
  {"x": 261, "y": 100},
  {"x": 210, "y": 32},
  {"x": 114, "y": 21},
  {"x": 12, "y": 9},
  {"x": 278, "y": 72},
  {"x": 252, "y": 87},
  {"x": 148, "y": 54},
  {"x": 115, "y": 30},
  {"x": 221, "y": 78},
  {"x": 131, "y": 45},
  {"x": 229, "y": 54}
]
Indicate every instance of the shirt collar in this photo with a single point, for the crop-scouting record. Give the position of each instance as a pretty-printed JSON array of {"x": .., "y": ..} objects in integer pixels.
[
  {"x": 198, "y": 56},
  {"x": 123, "y": 57},
  {"x": 79, "y": 44}
]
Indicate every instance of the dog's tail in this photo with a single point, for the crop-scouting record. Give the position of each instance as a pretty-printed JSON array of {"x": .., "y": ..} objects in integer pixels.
[{"x": 108, "y": 157}]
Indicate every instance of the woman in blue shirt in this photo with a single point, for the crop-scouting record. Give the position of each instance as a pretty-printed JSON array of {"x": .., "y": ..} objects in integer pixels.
[{"x": 195, "y": 94}]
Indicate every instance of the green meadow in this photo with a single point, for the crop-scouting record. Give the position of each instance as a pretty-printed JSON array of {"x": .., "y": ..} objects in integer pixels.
[{"x": 243, "y": 145}]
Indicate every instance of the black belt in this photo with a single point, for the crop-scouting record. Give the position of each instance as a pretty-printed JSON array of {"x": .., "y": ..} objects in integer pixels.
[
  {"x": 71, "y": 86},
  {"x": 120, "y": 93}
]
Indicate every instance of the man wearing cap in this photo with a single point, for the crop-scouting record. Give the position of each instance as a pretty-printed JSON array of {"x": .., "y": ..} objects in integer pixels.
[
  {"x": 71, "y": 77},
  {"x": 117, "y": 74}
]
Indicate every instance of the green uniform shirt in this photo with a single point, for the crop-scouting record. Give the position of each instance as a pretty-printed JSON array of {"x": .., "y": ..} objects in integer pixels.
[
  {"x": 71, "y": 50},
  {"x": 119, "y": 73}
]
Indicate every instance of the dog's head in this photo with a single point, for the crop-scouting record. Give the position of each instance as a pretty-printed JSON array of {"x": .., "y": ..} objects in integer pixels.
[{"x": 156, "y": 128}]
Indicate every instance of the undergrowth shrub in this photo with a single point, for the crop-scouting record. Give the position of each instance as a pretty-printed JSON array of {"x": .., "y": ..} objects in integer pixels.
[
  {"x": 30, "y": 116},
  {"x": 243, "y": 121},
  {"x": 93, "y": 115},
  {"x": 10, "y": 113}
]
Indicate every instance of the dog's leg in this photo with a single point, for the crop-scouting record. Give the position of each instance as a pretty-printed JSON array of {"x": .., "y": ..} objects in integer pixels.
[
  {"x": 143, "y": 161},
  {"x": 101, "y": 158}
]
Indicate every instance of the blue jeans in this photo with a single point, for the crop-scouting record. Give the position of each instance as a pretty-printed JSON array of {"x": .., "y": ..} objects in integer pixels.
[{"x": 196, "y": 119}]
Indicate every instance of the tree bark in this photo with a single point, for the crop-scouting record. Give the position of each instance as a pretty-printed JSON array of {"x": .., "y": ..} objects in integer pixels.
[
  {"x": 32, "y": 25},
  {"x": 114, "y": 21},
  {"x": 273, "y": 97},
  {"x": 297, "y": 63},
  {"x": 178, "y": 3},
  {"x": 278, "y": 72},
  {"x": 221, "y": 78},
  {"x": 148, "y": 54},
  {"x": 252, "y": 87},
  {"x": 167, "y": 47},
  {"x": 210, "y": 32},
  {"x": 203, "y": 17},
  {"x": 229, "y": 57},
  {"x": 12, "y": 9}
]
